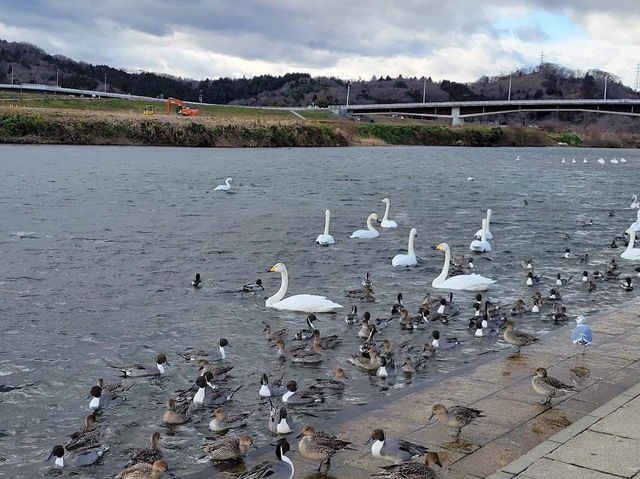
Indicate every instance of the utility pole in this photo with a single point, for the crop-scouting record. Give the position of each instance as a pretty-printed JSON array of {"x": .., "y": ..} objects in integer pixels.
[
  {"x": 348, "y": 91},
  {"x": 424, "y": 91},
  {"x": 509, "y": 99},
  {"x": 605, "y": 86},
  {"x": 637, "y": 85},
  {"x": 12, "y": 74}
]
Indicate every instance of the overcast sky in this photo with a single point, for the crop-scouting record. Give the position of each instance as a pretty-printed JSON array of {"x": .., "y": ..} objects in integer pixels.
[{"x": 454, "y": 39}]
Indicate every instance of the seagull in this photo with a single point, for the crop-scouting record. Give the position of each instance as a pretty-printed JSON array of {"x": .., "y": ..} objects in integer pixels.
[{"x": 581, "y": 335}]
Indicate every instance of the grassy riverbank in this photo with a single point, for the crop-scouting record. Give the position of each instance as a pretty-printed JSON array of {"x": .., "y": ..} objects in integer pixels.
[{"x": 117, "y": 122}]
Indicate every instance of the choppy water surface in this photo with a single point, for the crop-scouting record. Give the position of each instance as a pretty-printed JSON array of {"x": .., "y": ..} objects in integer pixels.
[{"x": 98, "y": 246}]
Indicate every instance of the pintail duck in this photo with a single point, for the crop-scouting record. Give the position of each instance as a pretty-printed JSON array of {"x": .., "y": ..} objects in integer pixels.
[
  {"x": 208, "y": 397},
  {"x": 252, "y": 287},
  {"x": 627, "y": 285},
  {"x": 274, "y": 336},
  {"x": 567, "y": 254},
  {"x": 335, "y": 384},
  {"x": 352, "y": 317},
  {"x": 84, "y": 458},
  {"x": 320, "y": 446},
  {"x": 591, "y": 286},
  {"x": 293, "y": 397},
  {"x": 528, "y": 265},
  {"x": 533, "y": 279},
  {"x": 227, "y": 448},
  {"x": 560, "y": 281},
  {"x": 100, "y": 399},
  {"x": 370, "y": 364},
  {"x": 148, "y": 456},
  {"x": 367, "y": 280},
  {"x": 387, "y": 368},
  {"x": 584, "y": 258},
  {"x": 535, "y": 308},
  {"x": 327, "y": 342},
  {"x": 428, "y": 350},
  {"x": 456, "y": 416},
  {"x": 548, "y": 386},
  {"x": 444, "y": 343},
  {"x": 176, "y": 413},
  {"x": 585, "y": 276},
  {"x": 283, "y": 352},
  {"x": 112, "y": 388},
  {"x": 282, "y": 468},
  {"x": 216, "y": 370},
  {"x": 86, "y": 436},
  {"x": 280, "y": 421},
  {"x": 613, "y": 244},
  {"x": 222, "y": 421},
  {"x": 197, "y": 283},
  {"x": 271, "y": 390},
  {"x": 395, "y": 450},
  {"x": 408, "y": 367},
  {"x": 364, "y": 326},
  {"x": 139, "y": 371},
  {"x": 581, "y": 334},
  {"x": 306, "y": 334},
  {"x": 554, "y": 295},
  {"x": 397, "y": 307},
  {"x": 142, "y": 470},
  {"x": 411, "y": 470},
  {"x": 517, "y": 338},
  {"x": 219, "y": 354},
  {"x": 518, "y": 308},
  {"x": 313, "y": 356}
]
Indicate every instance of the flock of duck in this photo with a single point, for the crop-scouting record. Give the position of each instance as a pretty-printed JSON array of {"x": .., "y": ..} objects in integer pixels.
[{"x": 211, "y": 394}]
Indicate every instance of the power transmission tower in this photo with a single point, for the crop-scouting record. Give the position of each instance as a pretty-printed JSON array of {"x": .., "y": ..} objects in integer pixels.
[{"x": 541, "y": 58}]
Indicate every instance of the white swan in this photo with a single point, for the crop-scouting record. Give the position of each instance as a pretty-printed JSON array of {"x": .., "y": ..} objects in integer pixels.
[
  {"x": 408, "y": 259},
  {"x": 325, "y": 239},
  {"x": 465, "y": 282},
  {"x": 481, "y": 245},
  {"x": 601, "y": 161},
  {"x": 635, "y": 226},
  {"x": 225, "y": 187},
  {"x": 478, "y": 234},
  {"x": 585, "y": 161},
  {"x": 386, "y": 222},
  {"x": 631, "y": 252},
  {"x": 563, "y": 161},
  {"x": 573, "y": 161},
  {"x": 613, "y": 161},
  {"x": 634, "y": 202},
  {"x": 370, "y": 232},
  {"x": 308, "y": 303},
  {"x": 622, "y": 160}
]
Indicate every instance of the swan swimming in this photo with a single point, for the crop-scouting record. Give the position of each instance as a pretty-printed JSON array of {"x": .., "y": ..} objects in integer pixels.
[
  {"x": 481, "y": 245},
  {"x": 465, "y": 282},
  {"x": 307, "y": 303},
  {"x": 225, "y": 187},
  {"x": 478, "y": 234},
  {"x": 325, "y": 239},
  {"x": 601, "y": 161},
  {"x": 370, "y": 232},
  {"x": 613, "y": 161},
  {"x": 622, "y": 160},
  {"x": 634, "y": 202},
  {"x": 631, "y": 252},
  {"x": 386, "y": 222},
  {"x": 563, "y": 161},
  {"x": 585, "y": 161},
  {"x": 408, "y": 259}
]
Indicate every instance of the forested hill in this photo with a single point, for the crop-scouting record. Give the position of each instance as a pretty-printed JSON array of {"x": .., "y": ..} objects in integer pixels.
[{"x": 31, "y": 64}]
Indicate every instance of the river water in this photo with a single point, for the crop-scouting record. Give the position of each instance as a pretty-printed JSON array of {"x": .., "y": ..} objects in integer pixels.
[{"x": 98, "y": 246}]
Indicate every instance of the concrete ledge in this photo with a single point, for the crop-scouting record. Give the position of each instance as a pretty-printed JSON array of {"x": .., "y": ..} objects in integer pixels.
[
  {"x": 575, "y": 429},
  {"x": 538, "y": 452}
]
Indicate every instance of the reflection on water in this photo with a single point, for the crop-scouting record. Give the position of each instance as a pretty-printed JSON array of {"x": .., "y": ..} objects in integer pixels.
[{"x": 99, "y": 246}]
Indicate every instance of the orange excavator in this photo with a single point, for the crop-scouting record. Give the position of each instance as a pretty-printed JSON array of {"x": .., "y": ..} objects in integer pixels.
[{"x": 180, "y": 108}]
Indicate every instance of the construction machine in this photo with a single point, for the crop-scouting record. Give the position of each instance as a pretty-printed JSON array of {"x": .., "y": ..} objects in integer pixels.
[{"x": 180, "y": 108}]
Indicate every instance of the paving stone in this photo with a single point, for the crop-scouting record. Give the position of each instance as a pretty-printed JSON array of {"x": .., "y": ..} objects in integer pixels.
[
  {"x": 500, "y": 475},
  {"x": 610, "y": 406},
  {"x": 622, "y": 422},
  {"x": 474, "y": 436},
  {"x": 601, "y": 452},
  {"x": 633, "y": 391},
  {"x": 489, "y": 459},
  {"x": 549, "y": 469},
  {"x": 530, "y": 457},
  {"x": 506, "y": 412},
  {"x": 576, "y": 428},
  {"x": 599, "y": 393},
  {"x": 343, "y": 472}
]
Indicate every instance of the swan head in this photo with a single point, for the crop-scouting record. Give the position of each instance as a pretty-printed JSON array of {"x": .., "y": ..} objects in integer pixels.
[
  {"x": 413, "y": 233},
  {"x": 229, "y": 180},
  {"x": 327, "y": 213},
  {"x": 384, "y": 200},
  {"x": 373, "y": 217},
  {"x": 278, "y": 268},
  {"x": 443, "y": 247}
]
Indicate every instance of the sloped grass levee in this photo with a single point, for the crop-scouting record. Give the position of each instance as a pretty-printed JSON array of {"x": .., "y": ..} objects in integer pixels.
[
  {"x": 433, "y": 135},
  {"x": 30, "y": 127}
]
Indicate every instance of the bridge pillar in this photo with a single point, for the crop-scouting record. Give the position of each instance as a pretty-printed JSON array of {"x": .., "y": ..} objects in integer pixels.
[{"x": 455, "y": 116}]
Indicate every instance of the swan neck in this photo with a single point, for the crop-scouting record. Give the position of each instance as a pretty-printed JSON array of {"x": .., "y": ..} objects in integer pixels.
[
  {"x": 410, "y": 251},
  {"x": 488, "y": 218},
  {"x": 327, "y": 217},
  {"x": 369, "y": 225},
  {"x": 632, "y": 240},
  {"x": 276, "y": 298},
  {"x": 386, "y": 211},
  {"x": 485, "y": 225},
  {"x": 445, "y": 268}
]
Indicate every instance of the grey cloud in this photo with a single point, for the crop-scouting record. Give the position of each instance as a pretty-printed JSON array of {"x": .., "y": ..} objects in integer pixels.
[{"x": 531, "y": 33}]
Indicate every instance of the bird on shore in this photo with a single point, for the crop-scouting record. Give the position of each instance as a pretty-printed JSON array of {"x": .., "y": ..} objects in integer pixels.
[
  {"x": 411, "y": 470},
  {"x": 320, "y": 446},
  {"x": 394, "y": 450},
  {"x": 548, "y": 386},
  {"x": 517, "y": 338},
  {"x": 456, "y": 416},
  {"x": 581, "y": 334}
]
